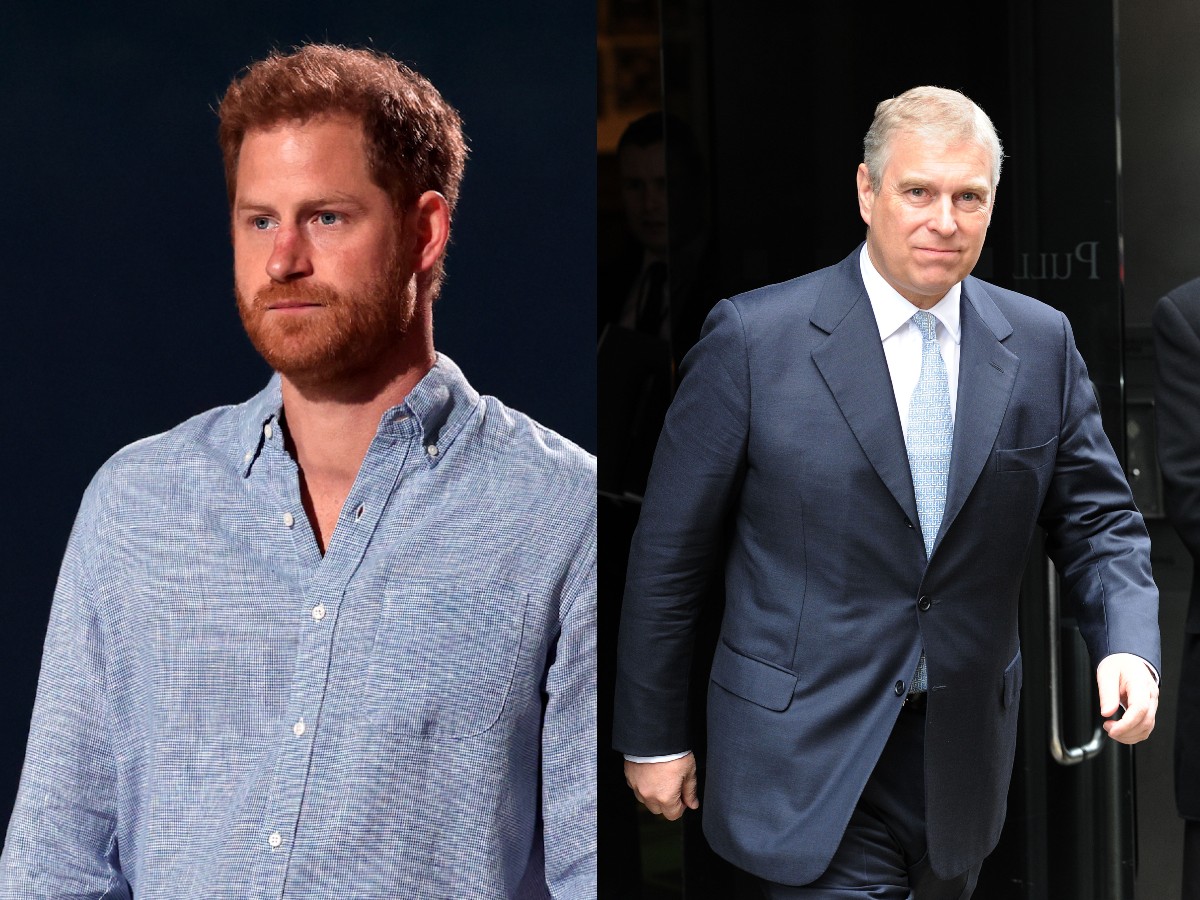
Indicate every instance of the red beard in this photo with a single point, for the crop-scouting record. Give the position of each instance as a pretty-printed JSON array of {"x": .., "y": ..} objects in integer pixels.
[{"x": 345, "y": 334}]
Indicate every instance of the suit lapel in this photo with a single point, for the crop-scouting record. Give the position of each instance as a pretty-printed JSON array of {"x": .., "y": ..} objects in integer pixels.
[
  {"x": 852, "y": 363},
  {"x": 987, "y": 372}
]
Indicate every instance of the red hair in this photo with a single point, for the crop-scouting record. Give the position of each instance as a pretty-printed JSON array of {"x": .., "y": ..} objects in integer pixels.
[{"x": 413, "y": 136}]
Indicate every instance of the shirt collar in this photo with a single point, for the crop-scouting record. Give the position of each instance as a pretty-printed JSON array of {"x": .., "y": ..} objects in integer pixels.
[
  {"x": 442, "y": 403},
  {"x": 891, "y": 310}
]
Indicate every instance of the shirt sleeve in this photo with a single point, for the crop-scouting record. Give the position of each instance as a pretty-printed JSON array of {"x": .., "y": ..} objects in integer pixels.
[
  {"x": 569, "y": 744},
  {"x": 62, "y": 835}
]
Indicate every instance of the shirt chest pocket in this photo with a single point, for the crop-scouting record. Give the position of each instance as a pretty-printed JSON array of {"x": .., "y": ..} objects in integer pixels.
[{"x": 444, "y": 660}]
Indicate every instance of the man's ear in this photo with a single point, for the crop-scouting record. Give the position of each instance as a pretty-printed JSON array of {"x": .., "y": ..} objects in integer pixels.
[
  {"x": 866, "y": 195},
  {"x": 430, "y": 218}
]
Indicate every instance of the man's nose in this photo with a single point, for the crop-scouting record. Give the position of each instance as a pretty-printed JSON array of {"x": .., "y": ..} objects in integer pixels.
[
  {"x": 941, "y": 216},
  {"x": 654, "y": 198},
  {"x": 289, "y": 256}
]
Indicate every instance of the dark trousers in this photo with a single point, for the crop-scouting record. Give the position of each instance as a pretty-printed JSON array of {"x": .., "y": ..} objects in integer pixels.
[
  {"x": 883, "y": 855},
  {"x": 1191, "y": 860}
]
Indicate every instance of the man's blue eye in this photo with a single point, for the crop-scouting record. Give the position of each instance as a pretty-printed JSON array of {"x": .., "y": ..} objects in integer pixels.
[
  {"x": 328, "y": 218},
  {"x": 261, "y": 223}
]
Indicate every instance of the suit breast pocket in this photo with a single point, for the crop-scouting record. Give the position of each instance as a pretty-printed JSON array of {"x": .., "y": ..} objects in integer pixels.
[
  {"x": 1026, "y": 459},
  {"x": 444, "y": 660}
]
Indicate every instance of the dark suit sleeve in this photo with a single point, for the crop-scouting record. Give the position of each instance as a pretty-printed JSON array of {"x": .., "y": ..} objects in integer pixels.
[
  {"x": 1177, "y": 413},
  {"x": 679, "y": 543},
  {"x": 1095, "y": 534}
]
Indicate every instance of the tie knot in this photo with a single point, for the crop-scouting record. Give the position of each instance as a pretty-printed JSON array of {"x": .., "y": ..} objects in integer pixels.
[{"x": 927, "y": 323}]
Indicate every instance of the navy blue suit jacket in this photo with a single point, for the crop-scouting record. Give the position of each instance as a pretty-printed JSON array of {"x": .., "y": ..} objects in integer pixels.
[{"x": 782, "y": 465}]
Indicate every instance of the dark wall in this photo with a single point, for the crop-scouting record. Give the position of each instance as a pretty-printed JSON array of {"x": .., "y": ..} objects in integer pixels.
[
  {"x": 1160, "y": 140},
  {"x": 784, "y": 102},
  {"x": 119, "y": 318}
]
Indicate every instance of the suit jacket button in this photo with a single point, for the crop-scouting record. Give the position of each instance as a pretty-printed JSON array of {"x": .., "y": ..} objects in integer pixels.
[
  {"x": 899, "y": 688},
  {"x": 923, "y": 604}
]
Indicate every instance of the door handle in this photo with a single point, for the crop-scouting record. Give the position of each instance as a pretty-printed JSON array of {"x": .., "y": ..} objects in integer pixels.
[{"x": 1063, "y": 755}]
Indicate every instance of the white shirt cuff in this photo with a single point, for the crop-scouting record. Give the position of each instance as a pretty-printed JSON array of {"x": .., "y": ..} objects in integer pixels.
[{"x": 654, "y": 759}]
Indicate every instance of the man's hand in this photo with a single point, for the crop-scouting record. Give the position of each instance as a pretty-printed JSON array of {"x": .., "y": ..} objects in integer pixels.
[
  {"x": 1126, "y": 680},
  {"x": 665, "y": 787}
]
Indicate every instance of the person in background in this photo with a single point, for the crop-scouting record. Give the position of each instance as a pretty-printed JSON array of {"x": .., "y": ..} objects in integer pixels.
[
  {"x": 653, "y": 298},
  {"x": 1177, "y": 412}
]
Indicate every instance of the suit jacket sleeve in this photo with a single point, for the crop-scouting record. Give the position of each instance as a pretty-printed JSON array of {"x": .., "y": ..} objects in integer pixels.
[
  {"x": 1095, "y": 534},
  {"x": 680, "y": 540},
  {"x": 1177, "y": 409}
]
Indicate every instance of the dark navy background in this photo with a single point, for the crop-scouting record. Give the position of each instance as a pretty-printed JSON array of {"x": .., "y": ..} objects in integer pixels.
[{"x": 118, "y": 312}]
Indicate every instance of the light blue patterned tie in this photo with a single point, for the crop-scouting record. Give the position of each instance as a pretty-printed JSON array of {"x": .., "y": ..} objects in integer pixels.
[{"x": 929, "y": 437}]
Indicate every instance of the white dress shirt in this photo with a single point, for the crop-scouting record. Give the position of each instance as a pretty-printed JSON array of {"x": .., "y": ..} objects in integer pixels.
[{"x": 902, "y": 338}]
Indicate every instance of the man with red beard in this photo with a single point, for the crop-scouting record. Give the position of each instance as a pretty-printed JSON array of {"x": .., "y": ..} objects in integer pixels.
[{"x": 337, "y": 640}]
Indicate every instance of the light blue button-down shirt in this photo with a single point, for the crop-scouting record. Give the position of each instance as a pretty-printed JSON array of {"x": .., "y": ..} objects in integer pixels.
[{"x": 223, "y": 712}]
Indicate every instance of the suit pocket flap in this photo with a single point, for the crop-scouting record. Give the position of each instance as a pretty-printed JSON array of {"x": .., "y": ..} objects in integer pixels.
[
  {"x": 1012, "y": 680},
  {"x": 753, "y": 679},
  {"x": 1024, "y": 458}
]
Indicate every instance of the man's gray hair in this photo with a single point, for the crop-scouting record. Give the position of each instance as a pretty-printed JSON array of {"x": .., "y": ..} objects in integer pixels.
[{"x": 929, "y": 112}]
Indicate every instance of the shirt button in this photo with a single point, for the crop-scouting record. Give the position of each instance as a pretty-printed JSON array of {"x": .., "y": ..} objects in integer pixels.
[
  {"x": 432, "y": 450},
  {"x": 288, "y": 519},
  {"x": 275, "y": 839},
  {"x": 899, "y": 688},
  {"x": 298, "y": 728},
  {"x": 267, "y": 430},
  {"x": 923, "y": 604},
  {"x": 318, "y": 612},
  {"x": 249, "y": 456}
]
